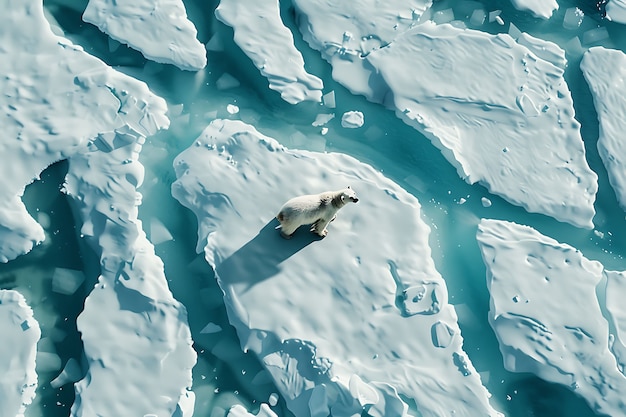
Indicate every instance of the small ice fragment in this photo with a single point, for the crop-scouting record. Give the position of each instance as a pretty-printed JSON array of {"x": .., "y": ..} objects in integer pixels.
[
  {"x": 514, "y": 31},
  {"x": 363, "y": 393},
  {"x": 71, "y": 373},
  {"x": 485, "y": 202},
  {"x": 599, "y": 234},
  {"x": 352, "y": 119},
  {"x": 573, "y": 47},
  {"x": 158, "y": 232},
  {"x": 493, "y": 15},
  {"x": 273, "y": 400},
  {"x": 215, "y": 43},
  {"x": 442, "y": 334},
  {"x": 232, "y": 109},
  {"x": 595, "y": 35},
  {"x": 329, "y": 100},
  {"x": 573, "y": 18},
  {"x": 67, "y": 281},
  {"x": 211, "y": 328},
  {"x": 324, "y": 130},
  {"x": 47, "y": 362},
  {"x": 478, "y": 17},
  {"x": 499, "y": 20},
  {"x": 462, "y": 200},
  {"x": 227, "y": 81},
  {"x": 323, "y": 118},
  {"x": 443, "y": 16}
]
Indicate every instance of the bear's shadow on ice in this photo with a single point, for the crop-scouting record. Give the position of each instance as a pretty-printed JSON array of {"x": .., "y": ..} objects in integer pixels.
[{"x": 260, "y": 258}]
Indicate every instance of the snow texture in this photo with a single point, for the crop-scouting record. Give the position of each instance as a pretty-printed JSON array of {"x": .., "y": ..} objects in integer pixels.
[
  {"x": 240, "y": 411},
  {"x": 605, "y": 71},
  {"x": 508, "y": 123},
  {"x": 18, "y": 349},
  {"x": 55, "y": 98},
  {"x": 262, "y": 36},
  {"x": 546, "y": 315},
  {"x": 353, "y": 321},
  {"x": 538, "y": 8},
  {"x": 135, "y": 334},
  {"x": 159, "y": 29},
  {"x": 616, "y": 11},
  {"x": 352, "y": 120}
]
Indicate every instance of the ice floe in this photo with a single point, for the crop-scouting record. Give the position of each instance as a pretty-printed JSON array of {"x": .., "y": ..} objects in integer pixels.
[
  {"x": 357, "y": 320},
  {"x": 159, "y": 29},
  {"x": 262, "y": 36},
  {"x": 616, "y": 10},
  {"x": 500, "y": 111},
  {"x": 55, "y": 98},
  {"x": 20, "y": 334},
  {"x": 546, "y": 315},
  {"x": 136, "y": 338},
  {"x": 538, "y": 8},
  {"x": 605, "y": 71}
]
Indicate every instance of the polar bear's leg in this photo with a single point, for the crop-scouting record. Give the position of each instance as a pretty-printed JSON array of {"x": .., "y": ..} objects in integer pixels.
[
  {"x": 287, "y": 229},
  {"x": 320, "y": 227}
]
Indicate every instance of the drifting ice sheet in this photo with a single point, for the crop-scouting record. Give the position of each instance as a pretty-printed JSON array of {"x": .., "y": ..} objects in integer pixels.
[
  {"x": 605, "y": 70},
  {"x": 546, "y": 315},
  {"x": 159, "y": 29},
  {"x": 508, "y": 123},
  {"x": 20, "y": 334},
  {"x": 261, "y": 35},
  {"x": 616, "y": 10},
  {"x": 538, "y": 8},
  {"x": 327, "y": 317}
]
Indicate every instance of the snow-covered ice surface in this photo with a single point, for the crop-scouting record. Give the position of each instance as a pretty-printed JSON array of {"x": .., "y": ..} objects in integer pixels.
[
  {"x": 353, "y": 321},
  {"x": 260, "y": 33},
  {"x": 512, "y": 95},
  {"x": 20, "y": 334},
  {"x": 605, "y": 71},
  {"x": 538, "y": 8},
  {"x": 616, "y": 11},
  {"x": 546, "y": 315},
  {"x": 159, "y": 29},
  {"x": 80, "y": 114}
]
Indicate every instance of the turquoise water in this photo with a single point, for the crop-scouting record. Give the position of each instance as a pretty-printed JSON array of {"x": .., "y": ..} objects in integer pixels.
[{"x": 224, "y": 375}]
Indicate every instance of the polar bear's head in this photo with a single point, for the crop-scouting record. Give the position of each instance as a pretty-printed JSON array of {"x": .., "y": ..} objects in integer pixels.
[{"x": 348, "y": 195}]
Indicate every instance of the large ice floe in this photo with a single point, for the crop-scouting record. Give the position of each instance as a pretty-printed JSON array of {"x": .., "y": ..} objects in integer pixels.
[
  {"x": 509, "y": 125},
  {"x": 538, "y": 8},
  {"x": 261, "y": 34},
  {"x": 605, "y": 71},
  {"x": 547, "y": 317},
  {"x": 60, "y": 103},
  {"x": 616, "y": 10},
  {"x": 357, "y": 320},
  {"x": 159, "y": 29},
  {"x": 20, "y": 334}
]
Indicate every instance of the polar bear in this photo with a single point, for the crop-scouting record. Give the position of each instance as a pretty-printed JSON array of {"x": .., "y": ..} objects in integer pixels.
[{"x": 316, "y": 209}]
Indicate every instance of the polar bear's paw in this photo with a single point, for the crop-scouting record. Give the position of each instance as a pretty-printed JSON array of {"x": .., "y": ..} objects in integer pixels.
[{"x": 285, "y": 235}]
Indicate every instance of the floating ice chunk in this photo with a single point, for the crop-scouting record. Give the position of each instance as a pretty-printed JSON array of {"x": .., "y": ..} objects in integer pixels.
[
  {"x": 18, "y": 349},
  {"x": 262, "y": 36},
  {"x": 232, "y": 109},
  {"x": 273, "y": 400},
  {"x": 574, "y": 47},
  {"x": 158, "y": 232},
  {"x": 322, "y": 119},
  {"x": 215, "y": 44},
  {"x": 514, "y": 31},
  {"x": 285, "y": 300},
  {"x": 499, "y": 20},
  {"x": 48, "y": 362},
  {"x": 211, "y": 328},
  {"x": 573, "y": 18},
  {"x": 443, "y": 16},
  {"x": 66, "y": 281},
  {"x": 159, "y": 29},
  {"x": 485, "y": 202},
  {"x": 352, "y": 119},
  {"x": 528, "y": 275},
  {"x": 605, "y": 70},
  {"x": 329, "y": 100},
  {"x": 478, "y": 17},
  {"x": 538, "y": 8},
  {"x": 226, "y": 82},
  {"x": 595, "y": 35},
  {"x": 616, "y": 11},
  {"x": 493, "y": 14},
  {"x": 71, "y": 373},
  {"x": 239, "y": 411}
]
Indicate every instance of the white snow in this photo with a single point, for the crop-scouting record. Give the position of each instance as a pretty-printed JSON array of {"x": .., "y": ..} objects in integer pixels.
[
  {"x": 352, "y": 120},
  {"x": 20, "y": 334},
  {"x": 546, "y": 315},
  {"x": 616, "y": 11},
  {"x": 262, "y": 36},
  {"x": 538, "y": 8},
  {"x": 346, "y": 323},
  {"x": 159, "y": 29},
  {"x": 55, "y": 98},
  {"x": 472, "y": 94},
  {"x": 240, "y": 411},
  {"x": 605, "y": 72}
]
